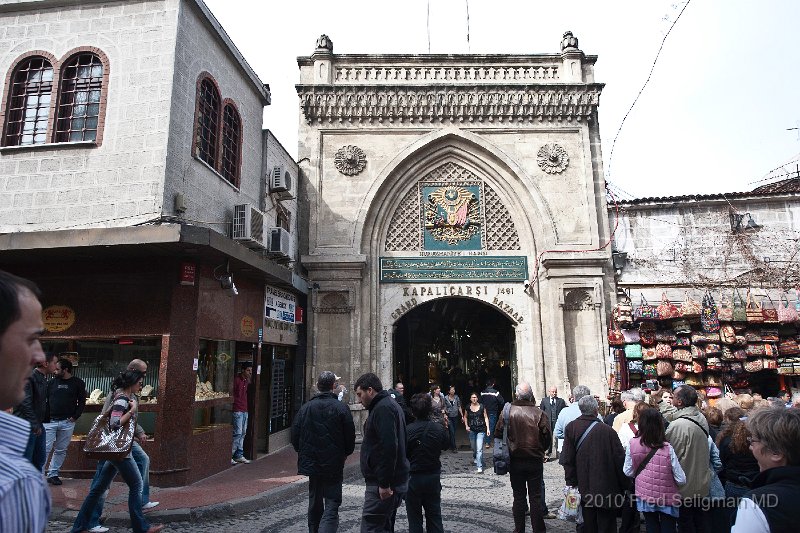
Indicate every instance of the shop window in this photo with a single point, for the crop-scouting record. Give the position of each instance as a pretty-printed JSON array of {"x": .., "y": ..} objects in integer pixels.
[
  {"x": 214, "y": 369},
  {"x": 29, "y": 102},
  {"x": 282, "y": 387},
  {"x": 79, "y": 99}
]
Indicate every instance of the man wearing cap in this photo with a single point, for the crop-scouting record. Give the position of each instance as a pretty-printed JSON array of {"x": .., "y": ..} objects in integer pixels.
[
  {"x": 240, "y": 384},
  {"x": 323, "y": 435}
]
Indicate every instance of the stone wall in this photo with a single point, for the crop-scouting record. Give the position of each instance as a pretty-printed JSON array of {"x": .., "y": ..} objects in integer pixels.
[{"x": 119, "y": 182}]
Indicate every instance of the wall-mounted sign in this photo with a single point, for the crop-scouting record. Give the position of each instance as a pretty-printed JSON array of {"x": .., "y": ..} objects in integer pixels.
[
  {"x": 188, "y": 273},
  {"x": 247, "y": 325},
  {"x": 452, "y": 216},
  {"x": 279, "y": 305},
  {"x": 453, "y": 269},
  {"x": 58, "y": 318}
]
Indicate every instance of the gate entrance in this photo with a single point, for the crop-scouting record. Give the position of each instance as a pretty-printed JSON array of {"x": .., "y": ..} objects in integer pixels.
[{"x": 455, "y": 341}]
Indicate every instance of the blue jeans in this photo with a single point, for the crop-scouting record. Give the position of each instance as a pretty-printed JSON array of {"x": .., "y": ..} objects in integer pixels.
[
  {"x": 102, "y": 480},
  {"x": 239, "y": 431},
  {"x": 454, "y": 420},
  {"x": 142, "y": 461},
  {"x": 59, "y": 434},
  {"x": 35, "y": 450},
  {"x": 324, "y": 499},
  {"x": 476, "y": 443},
  {"x": 424, "y": 492},
  {"x": 492, "y": 421}
]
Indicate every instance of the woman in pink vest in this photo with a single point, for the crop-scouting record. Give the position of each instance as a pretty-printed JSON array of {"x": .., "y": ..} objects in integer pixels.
[{"x": 652, "y": 462}]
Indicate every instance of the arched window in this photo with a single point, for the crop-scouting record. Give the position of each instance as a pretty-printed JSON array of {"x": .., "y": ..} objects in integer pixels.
[
  {"x": 29, "y": 102},
  {"x": 231, "y": 144},
  {"x": 207, "y": 122},
  {"x": 79, "y": 99}
]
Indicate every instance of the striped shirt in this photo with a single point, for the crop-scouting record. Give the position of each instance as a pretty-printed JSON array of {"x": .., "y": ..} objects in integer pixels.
[{"x": 24, "y": 496}]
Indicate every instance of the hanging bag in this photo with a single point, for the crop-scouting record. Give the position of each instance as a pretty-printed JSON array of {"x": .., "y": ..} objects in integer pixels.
[
  {"x": 645, "y": 311},
  {"x": 769, "y": 311},
  {"x": 615, "y": 336},
  {"x": 754, "y": 313},
  {"x": 709, "y": 319},
  {"x": 725, "y": 309},
  {"x": 786, "y": 314},
  {"x": 739, "y": 307},
  {"x": 690, "y": 308},
  {"x": 667, "y": 309}
]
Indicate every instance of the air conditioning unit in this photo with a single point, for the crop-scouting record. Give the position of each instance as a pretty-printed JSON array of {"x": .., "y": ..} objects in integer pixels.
[
  {"x": 280, "y": 183},
  {"x": 248, "y": 226},
  {"x": 280, "y": 243}
]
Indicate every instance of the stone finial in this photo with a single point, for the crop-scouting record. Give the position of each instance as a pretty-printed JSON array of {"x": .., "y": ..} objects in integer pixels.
[
  {"x": 324, "y": 44},
  {"x": 569, "y": 42}
]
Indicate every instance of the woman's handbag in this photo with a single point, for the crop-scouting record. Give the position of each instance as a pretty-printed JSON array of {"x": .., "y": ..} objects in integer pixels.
[
  {"x": 664, "y": 368},
  {"x": 633, "y": 351},
  {"x": 709, "y": 319},
  {"x": 698, "y": 352},
  {"x": 649, "y": 353},
  {"x": 682, "y": 355},
  {"x": 739, "y": 307},
  {"x": 786, "y": 313},
  {"x": 104, "y": 443},
  {"x": 754, "y": 311},
  {"x": 690, "y": 308},
  {"x": 727, "y": 335},
  {"x": 631, "y": 336},
  {"x": 755, "y": 365},
  {"x": 663, "y": 351},
  {"x": 681, "y": 326},
  {"x": 667, "y": 309},
  {"x": 647, "y": 333},
  {"x": 769, "y": 311}
]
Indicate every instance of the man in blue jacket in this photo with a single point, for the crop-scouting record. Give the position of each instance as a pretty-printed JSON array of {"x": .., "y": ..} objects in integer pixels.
[
  {"x": 383, "y": 456},
  {"x": 323, "y": 435}
]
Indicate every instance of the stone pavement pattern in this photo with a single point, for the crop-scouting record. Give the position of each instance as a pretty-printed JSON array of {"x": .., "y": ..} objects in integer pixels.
[{"x": 470, "y": 503}]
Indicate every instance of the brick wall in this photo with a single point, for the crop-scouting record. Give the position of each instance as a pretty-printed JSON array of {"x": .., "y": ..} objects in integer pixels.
[{"x": 120, "y": 181}]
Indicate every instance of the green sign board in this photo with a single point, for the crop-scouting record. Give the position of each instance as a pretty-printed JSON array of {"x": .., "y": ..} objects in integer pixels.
[{"x": 453, "y": 269}]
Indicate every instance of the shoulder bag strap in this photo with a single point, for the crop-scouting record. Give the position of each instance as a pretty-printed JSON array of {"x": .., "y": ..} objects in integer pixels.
[
  {"x": 506, "y": 423},
  {"x": 585, "y": 434},
  {"x": 693, "y": 421},
  {"x": 644, "y": 462}
]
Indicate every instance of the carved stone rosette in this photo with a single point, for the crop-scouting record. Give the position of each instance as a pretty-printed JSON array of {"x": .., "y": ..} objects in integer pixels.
[
  {"x": 350, "y": 160},
  {"x": 552, "y": 158}
]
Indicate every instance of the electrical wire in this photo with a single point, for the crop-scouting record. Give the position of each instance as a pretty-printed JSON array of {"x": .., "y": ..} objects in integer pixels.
[
  {"x": 469, "y": 50},
  {"x": 650, "y": 75}
]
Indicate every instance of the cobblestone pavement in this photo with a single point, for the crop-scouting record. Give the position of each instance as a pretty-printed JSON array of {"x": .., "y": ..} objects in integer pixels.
[{"x": 471, "y": 502}]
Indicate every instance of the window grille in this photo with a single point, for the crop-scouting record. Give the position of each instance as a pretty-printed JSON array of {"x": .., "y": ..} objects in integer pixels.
[
  {"x": 207, "y": 123},
  {"x": 29, "y": 102},
  {"x": 231, "y": 143},
  {"x": 79, "y": 99}
]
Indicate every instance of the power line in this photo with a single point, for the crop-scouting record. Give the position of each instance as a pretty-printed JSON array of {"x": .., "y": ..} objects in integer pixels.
[{"x": 650, "y": 75}]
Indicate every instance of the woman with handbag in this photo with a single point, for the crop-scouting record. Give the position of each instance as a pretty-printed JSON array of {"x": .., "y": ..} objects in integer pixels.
[
  {"x": 454, "y": 412},
  {"x": 121, "y": 416},
  {"x": 656, "y": 472},
  {"x": 477, "y": 423}
]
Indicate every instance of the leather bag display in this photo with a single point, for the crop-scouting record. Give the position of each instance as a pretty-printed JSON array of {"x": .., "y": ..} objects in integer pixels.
[{"x": 104, "y": 443}]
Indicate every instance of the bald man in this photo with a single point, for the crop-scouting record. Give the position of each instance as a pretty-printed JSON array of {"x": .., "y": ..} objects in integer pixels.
[{"x": 552, "y": 406}]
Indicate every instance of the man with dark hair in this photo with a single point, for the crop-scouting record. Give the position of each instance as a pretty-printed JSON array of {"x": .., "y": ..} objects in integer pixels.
[
  {"x": 24, "y": 498},
  {"x": 34, "y": 409},
  {"x": 67, "y": 397},
  {"x": 528, "y": 437},
  {"x": 323, "y": 435},
  {"x": 240, "y": 412},
  {"x": 425, "y": 441},
  {"x": 773, "y": 504},
  {"x": 786, "y": 398},
  {"x": 493, "y": 402},
  {"x": 383, "y": 455},
  {"x": 688, "y": 435},
  {"x": 398, "y": 394}
]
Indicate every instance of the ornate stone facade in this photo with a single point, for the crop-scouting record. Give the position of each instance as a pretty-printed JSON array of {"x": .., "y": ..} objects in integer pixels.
[{"x": 455, "y": 170}]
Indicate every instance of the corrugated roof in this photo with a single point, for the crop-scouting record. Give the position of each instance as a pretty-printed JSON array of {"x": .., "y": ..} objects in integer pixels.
[{"x": 779, "y": 188}]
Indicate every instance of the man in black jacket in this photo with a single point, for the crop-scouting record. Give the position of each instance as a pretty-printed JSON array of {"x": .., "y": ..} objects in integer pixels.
[
  {"x": 34, "y": 409},
  {"x": 425, "y": 441},
  {"x": 493, "y": 402},
  {"x": 552, "y": 406},
  {"x": 323, "y": 435},
  {"x": 383, "y": 456},
  {"x": 67, "y": 397}
]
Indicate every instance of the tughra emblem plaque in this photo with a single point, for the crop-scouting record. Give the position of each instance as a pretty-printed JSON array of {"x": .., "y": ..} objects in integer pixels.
[{"x": 452, "y": 216}]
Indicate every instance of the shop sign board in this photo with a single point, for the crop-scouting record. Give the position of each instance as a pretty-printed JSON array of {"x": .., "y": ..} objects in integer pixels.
[
  {"x": 453, "y": 269},
  {"x": 248, "y": 326},
  {"x": 280, "y": 308},
  {"x": 58, "y": 318}
]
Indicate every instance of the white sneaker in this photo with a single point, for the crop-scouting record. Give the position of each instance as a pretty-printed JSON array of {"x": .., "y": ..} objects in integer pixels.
[
  {"x": 149, "y": 505},
  {"x": 242, "y": 460},
  {"x": 98, "y": 529},
  {"x": 479, "y": 471},
  {"x": 234, "y": 462}
]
